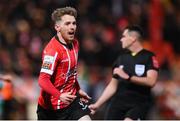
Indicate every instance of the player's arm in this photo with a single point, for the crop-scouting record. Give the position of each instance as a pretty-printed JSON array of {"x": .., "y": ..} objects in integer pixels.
[
  {"x": 47, "y": 86},
  {"x": 106, "y": 95},
  {"x": 150, "y": 80},
  {"x": 49, "y": 64}
]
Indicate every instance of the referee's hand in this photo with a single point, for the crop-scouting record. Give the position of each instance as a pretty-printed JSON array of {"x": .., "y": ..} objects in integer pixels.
[{"x": 121, "y": 73}]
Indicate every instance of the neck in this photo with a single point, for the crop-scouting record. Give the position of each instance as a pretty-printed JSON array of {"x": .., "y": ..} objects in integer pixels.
[
  {"x": 136, "y": 48},
  {"x": 61, "y": 39}
]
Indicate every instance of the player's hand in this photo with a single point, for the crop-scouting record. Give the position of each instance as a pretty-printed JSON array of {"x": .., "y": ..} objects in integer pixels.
[
  {"x": 121, "y": 73},
  {"x": 84, "y": 96},
  {"x": 93, "y": 108},
  {"x": 67, "y": 97}
]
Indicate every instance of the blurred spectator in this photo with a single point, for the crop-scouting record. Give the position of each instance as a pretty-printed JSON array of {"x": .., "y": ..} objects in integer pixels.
[{"x": 6, "y": 97}]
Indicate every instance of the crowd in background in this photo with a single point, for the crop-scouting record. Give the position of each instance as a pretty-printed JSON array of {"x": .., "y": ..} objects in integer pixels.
[{"x": 26, "y": 27}]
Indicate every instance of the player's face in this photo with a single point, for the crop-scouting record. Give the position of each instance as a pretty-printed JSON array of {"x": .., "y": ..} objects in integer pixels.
[
  {"x": 67, "y": 27},
  {"x": 126, "y": 39}
]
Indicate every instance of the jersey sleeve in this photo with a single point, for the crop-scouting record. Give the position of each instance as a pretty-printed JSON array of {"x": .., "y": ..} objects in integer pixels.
[
  {"x": 117, "y": 63},
  {"x": 46, "y": 85},
  {"x": 49, "y": 61},
  {"x": 153, "y": 63}
]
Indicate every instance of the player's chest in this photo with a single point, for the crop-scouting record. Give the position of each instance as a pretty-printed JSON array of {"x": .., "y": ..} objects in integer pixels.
[{"x": 68, "y": 57}]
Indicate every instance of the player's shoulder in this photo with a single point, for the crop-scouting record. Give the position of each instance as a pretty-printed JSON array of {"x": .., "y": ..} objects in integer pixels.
[
  {"x": 52, "y": 42},
  {"x": 51, "y": 46}
]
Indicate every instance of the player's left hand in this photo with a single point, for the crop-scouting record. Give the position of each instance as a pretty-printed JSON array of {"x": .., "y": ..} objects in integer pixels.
[{"x": 84, "y": 96}]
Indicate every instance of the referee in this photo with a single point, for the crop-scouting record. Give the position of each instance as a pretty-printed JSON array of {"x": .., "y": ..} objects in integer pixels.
[{"x": 135, "y": 72}]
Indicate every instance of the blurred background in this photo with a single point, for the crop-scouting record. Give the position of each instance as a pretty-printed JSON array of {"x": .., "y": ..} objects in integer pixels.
[{"x": 26, "y": 27}]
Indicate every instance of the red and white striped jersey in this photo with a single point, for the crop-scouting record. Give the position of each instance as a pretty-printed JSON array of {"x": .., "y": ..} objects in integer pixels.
[{"x": 59, "y": 61}]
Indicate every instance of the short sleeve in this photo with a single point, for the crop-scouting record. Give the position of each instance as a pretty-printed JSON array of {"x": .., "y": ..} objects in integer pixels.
[
  {"x": 153, "y": 63},
  {"x": 117, "y": 63},
  {"x": 49, "y": 61}
]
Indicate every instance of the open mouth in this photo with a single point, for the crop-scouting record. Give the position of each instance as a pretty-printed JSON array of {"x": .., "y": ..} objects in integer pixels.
[{"x": 71, "y": 33}]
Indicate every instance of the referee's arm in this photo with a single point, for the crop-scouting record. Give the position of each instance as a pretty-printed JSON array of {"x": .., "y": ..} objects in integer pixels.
[
  {"x": 106, "y": 95},
  {"x": 150, "y": 80}
]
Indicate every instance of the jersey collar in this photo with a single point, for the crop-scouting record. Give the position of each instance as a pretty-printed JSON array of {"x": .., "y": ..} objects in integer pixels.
[{"x": 67, "y": 45}]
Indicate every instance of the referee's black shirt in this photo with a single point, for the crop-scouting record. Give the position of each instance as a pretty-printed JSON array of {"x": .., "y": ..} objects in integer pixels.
[{"x": 137, "y": 65}]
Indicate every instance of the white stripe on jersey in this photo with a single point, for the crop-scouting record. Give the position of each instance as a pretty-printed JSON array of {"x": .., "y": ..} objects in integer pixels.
[
  {"x": 52, "y": 68},
  {"x": 47, "y": 71},
  {"x": 76, "y": 58},
  {"x": 69, "y": 64},
  {"x": 76, "y": 55}
]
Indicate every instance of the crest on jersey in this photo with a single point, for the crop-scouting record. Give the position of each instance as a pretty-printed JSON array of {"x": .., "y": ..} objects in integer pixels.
[{"x": 139, "y": 69}]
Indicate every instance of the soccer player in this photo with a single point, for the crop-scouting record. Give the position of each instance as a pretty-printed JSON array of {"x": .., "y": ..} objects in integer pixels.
[
  {"x": 135, "y": 72},
  {"x": 61, "y": 95}
]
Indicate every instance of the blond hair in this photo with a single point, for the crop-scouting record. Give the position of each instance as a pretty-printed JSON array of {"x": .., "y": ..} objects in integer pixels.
[{"x": 59, "y": 12}]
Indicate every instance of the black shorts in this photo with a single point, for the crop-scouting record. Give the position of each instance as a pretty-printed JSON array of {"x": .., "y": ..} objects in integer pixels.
[
  {"x": 135, "y": 112},
  {"x": 74, "y": 111}
]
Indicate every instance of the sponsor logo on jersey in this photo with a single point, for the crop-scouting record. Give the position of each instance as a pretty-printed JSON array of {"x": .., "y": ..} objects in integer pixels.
[
  {"x": 72, "y": 72},
  {"x": 46, "y": 65},
  {"x": 47, "y": 62},
  {"x": 139, "y": 69},
  {"x": 49, "y": 59}
]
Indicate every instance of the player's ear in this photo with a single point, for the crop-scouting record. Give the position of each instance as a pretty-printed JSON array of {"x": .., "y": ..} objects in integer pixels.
[
  {"x": 134, "y": 39},
  {"x": 57, "y": 27}
]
